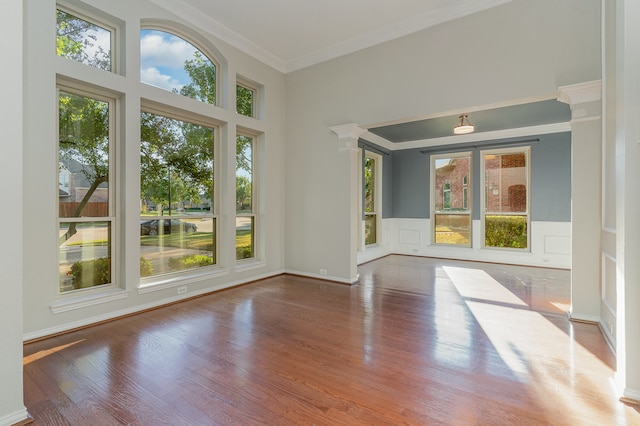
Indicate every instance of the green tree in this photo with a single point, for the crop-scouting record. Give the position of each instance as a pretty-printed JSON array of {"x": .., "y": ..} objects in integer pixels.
[
  {"x": 243, "y": 194},
  {"x": 77, "y": 39},
  {"x": 84, "y": 137}
]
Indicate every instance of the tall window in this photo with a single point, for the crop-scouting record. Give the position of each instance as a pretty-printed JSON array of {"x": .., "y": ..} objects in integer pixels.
[
  {"x": 371, "y": 197},
  {"x": 171, "y": 63},
  {"x": 505, "y": 214},
  {"x": 245, "y": 199},
  {"x": 83, "y": 41},
  {"x": 451, "y": 210},
  {"x": 85, "y": 190},
  {"x": 177, "y": 221}
]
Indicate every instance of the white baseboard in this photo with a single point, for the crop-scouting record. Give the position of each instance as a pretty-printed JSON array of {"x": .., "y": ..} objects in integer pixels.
[
  {"x": 630, "y": 396},
  {"x": 14, "y": 418},
  {"x": 139, "y": 308},
  {"x": 350, "y": 281}
]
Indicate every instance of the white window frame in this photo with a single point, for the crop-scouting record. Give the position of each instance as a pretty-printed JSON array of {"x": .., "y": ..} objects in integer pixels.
[
  {"x": 208, "y": 53},
  {"x": 104, "y": 24},
  {"x": 377, "y": 202},
  {"x": 192, "y": 118},
  {"x": 432, "y": 192},
  {"x": 114, "y": 104},
  {"x": 484, "y": 188},
  {"x": 254, "y": 197}
]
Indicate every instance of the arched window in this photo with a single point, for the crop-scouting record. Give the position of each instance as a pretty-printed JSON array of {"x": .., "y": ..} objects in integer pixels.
[{"x": 172, "y": 63}]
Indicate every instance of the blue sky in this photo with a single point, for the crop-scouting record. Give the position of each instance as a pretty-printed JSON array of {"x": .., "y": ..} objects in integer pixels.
[{"x": 162, "y": 57}]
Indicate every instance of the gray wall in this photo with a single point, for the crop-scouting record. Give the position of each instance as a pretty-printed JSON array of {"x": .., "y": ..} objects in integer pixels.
[{"x": 408, "y": 179}]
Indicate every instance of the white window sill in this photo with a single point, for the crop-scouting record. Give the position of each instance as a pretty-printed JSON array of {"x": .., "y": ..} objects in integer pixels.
[
  {"x": 247, "y": 265},
  {"x": 164, "y": 283},
  {"x": 87, "y": 300}
]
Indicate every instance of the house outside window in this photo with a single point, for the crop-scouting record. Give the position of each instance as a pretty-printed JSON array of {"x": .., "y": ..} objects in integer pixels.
[
  {"x": 505, "y": 214},
  {"x": 450, "y": 207}
]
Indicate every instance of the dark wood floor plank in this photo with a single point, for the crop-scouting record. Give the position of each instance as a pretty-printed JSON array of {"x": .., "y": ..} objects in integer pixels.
[{"x": 418, "y": 341}]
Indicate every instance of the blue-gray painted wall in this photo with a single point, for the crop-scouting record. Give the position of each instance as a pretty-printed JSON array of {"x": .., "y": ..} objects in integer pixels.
[{"x": 406, "y": 179}]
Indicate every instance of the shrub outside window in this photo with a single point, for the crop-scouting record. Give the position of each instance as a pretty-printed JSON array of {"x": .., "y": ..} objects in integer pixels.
[{"x": 506, "y": 198}]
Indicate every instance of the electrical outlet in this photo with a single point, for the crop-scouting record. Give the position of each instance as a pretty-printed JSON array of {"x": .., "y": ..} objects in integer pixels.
[
  {"x": 323, "y": 272},
  {"x": 182, "y": 290}
]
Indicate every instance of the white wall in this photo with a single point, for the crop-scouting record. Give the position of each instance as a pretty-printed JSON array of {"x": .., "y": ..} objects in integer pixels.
[
  {"x": 517, "y": 51},
  {"x": 40, "y": 239},
  {"x": 12, "y": 409}
]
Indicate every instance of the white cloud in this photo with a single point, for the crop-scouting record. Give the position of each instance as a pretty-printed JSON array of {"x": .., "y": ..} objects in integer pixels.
[
  {"x": 158, "y": 49},
  {"x": 154, "y": 77}
]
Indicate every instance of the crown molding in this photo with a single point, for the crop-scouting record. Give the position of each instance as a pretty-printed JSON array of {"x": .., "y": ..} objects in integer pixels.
[
  {"x": 207, "y": 24},
  {"x": 416, "y": 23},
  {"x": 392, "y": 32},
  {"x": 472, "y": 137}
]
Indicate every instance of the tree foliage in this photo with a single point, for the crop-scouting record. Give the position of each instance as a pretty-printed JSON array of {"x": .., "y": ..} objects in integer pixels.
[
  {"x": 77, "y": 39},
  {"x": 84, "y": 138}
]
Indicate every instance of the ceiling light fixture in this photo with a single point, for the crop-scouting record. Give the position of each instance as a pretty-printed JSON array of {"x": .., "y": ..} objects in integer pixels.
[{"x": 464, "y": 126}]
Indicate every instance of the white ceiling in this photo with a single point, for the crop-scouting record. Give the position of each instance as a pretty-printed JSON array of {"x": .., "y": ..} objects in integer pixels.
[{"x": 292, "y": 34}]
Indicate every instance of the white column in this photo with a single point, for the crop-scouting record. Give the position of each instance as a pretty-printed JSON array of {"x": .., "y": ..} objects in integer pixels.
[
  {"x": 628, "y": 198},
  {"x": 12, "y": 408},
  {"x": 586, "y": 205},
  {"x": 348, "y": 135}
]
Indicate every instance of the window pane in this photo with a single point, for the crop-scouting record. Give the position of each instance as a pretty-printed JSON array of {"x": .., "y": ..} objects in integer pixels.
[
  {"x": 453, "y": 229},
  {"x": 83, "y": 41},
  {"x": 244, "y": 100},
  {"x": 370, "y": 231},
  {"x": 506, "y": 183},
  {"x": 369, "y": 184},
  {"x": 85, "y": 254},
  {"x": 176, "y": 166},
  {"x": 171, "y": 63},
  {"x": 505, "y": 231},
  {"x": 83, "y": 156},
  {"x": 450, "y": 184},
  {"x": 244, "y": 174},
  {"x": 245, "y": 237},
  {"x": 170, "y": 245}
]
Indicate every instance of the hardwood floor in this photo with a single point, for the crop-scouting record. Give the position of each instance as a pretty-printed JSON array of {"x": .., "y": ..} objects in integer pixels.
[{"x": 418, "y": 341}]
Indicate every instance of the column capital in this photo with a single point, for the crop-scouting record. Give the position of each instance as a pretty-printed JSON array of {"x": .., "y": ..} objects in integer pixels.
[
  {"x": 350, "y": 130},
  {"x": 580, "y": 93},
  {"x": 349, "y": 134}
]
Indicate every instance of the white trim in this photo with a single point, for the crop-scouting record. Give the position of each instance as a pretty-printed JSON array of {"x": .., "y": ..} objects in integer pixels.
[
  {"x": 631, "y": 396},
  {"x": 14, "y": 418},
  {"x": 340, "y": 280},
  {"x": 580, "y": 93},
  {"x": 484, "y": 136},
  {"x": 248, "y": 265},
  {"x": 584, "y": 318},
  {"x": 393, "y": 31},
  {"x": 88, "y": 300},
  {"x": 207, "y": 24},
  {"x": 180, "y": 280}
]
